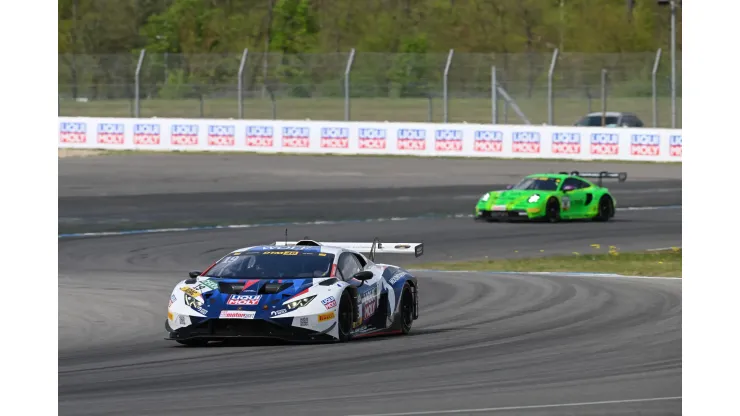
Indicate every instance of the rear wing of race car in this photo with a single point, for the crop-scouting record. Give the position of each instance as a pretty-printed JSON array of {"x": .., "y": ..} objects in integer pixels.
[
  {"x": 621, "y": 176},
  {"x": 417, "y": 249}
]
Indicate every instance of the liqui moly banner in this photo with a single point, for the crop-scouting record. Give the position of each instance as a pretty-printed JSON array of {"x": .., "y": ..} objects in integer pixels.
[{"x": 377, "y": 138}]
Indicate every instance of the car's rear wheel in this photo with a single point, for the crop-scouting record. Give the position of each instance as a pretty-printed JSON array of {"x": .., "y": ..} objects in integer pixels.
[
  {"x": 552, "y": 210},
  {"x": 606, "y": 209},
  {"x": 193, "y": 342},
  {"x": 406, "y": 309},
  {"x": 345, "y": 319}
]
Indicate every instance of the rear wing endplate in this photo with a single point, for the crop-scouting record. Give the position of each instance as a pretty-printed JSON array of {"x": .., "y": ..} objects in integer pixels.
[
  {"x": 417, "y": 249},
  {"x": 621, "y": 176}
]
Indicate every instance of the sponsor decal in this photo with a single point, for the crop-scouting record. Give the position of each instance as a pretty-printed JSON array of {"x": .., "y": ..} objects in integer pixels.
[
  {"x": 173, "y": 299},
  {"x": 296, "y": 137},
  {"x": 110, "y": 133},
  {"x": 525, "y": 142},
  {"x": 303, "y": 321},
  {"x": 237, "y": 315},
  {"x": 397, "y": 276},
  {"x": 146, "y": 134},
  {"x": 411, "y": 139},
  {"x": 674, "y": 145},
  {"x": 260, "y": 136},
  {"x": 190, "y": 291},
  {"x": 488, "y": 141},
  {"x": 206, "y": 284},
  {"x": 221, "y": 135},
  {"x": 184, "y": 134},
  {"x": 326, "y": 316},
  {"x": 278, "y": 313},
  {"x": 195, "y": 304},
  {"x": 368, "y": 309},
  {"x": 72, "y": 132},
  {"x": 277, "y": 248},
  {"x": 604, "y": 144},
  {"x": 371, "y": 138},
  {"x": 182, "y": 319},
  {"x": 566, "y": 143},
  {"x": 330, "y": 302},
  {"x": 282, "y": 253},
  {"x": 645, "y": 145},
  {"x": 244, "y": 300},
  {"x": 334, "y": 137},
  {"x": 448, "y": 140},
  {"x": 566, "y": 203}
]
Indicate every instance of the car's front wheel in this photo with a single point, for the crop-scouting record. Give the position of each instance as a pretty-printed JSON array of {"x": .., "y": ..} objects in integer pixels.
[
  {"x": 552, "y": 210},
  {"x": 406, "y": 309},
  {"x": 344, "y": 318}
]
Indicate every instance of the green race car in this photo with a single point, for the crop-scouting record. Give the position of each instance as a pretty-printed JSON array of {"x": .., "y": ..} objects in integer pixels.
[{"x": 551, "y": 197}]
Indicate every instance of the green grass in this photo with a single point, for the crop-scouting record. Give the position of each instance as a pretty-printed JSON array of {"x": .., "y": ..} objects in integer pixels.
[
  {"x": 472, "y": 110},
  {"x": 649, "y": 263}
]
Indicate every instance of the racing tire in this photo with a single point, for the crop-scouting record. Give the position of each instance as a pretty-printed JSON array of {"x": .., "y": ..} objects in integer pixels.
[
  {"x": 552, "y": 210},
  {"x": 193, "y": 342},
  {"x": 406, "y": 309},
  {"x": 344, "y": 317},
  {"x": 606, "y": 209}
]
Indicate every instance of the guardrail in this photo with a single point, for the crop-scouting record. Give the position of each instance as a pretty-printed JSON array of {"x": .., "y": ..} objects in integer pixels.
[{"x": 372, "y": 138}]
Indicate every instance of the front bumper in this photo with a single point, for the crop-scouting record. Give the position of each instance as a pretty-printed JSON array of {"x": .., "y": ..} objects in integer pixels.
[
  {"x": 221, "y": 329},
  {"x": 509, "y": 215}
]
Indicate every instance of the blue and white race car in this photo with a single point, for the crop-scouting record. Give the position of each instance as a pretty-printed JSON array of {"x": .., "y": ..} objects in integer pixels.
[{"x": 296, "y": 291}]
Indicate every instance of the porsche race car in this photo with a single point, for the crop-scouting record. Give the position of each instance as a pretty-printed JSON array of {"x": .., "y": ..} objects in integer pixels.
[
  {"x": 296, "y": 291},
  {"x": 551, "y": 197}
]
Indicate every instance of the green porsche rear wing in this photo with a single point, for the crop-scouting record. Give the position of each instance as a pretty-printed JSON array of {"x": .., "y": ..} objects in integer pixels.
[{"x": 620, "y": 176}]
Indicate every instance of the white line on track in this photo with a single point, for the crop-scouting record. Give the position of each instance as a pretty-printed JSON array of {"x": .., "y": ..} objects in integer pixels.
[
  {"x": 542, "y": 406},
  {"x": 561, "y": 274}
]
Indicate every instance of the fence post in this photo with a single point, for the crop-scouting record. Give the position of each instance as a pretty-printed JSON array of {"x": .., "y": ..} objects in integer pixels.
[
  {"x": 137, "y": 82},
  {"x": 550, "y": 98},
  {"x": 444, "y": 85},
  {"x": 603, "y": 97},
  {"x": 655, "y": 87},
  {"x": 494, "y": 97},
  {"x": 240, "y": 83},
  {"x": 347, "y": 70}
]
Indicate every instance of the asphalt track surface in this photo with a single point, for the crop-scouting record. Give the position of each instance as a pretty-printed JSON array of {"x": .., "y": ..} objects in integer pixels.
[{"x": 498, "y": 343}]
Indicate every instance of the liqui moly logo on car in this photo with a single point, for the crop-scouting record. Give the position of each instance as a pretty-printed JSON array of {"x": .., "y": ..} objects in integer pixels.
[
  {"x": 448, "y": 140},
  {"x": 146, "y": 134},
  {"x": 221, "y": 135},
  {"x": 334, "y": 137},
  {"x": 645, "y": 145},
  {"x": 411, "y": 139},
  {"x": 525, "y": 142},
  {"x": 184, "y": 134},
  {"x": 371, "y": 138},
  {"x": 566, "y": 143},
  {"x": 72, "y": 132},
  {"x": 296, "y": 137},
  {"x": 260, "y": 136},
  {"x": 674, "y": 145},
  {"x": 488, "y": 141},
  {"x": 604, "y": 144},
  {"x": 110, "y": 133}
]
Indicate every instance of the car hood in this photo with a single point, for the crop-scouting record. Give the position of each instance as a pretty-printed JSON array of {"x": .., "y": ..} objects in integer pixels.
[
  {"x": 507, "y": 197},
  {"x": 264, "y": 297}
]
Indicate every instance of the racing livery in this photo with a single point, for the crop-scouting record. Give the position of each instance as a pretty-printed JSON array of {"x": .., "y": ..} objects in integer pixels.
[
  {"x": 296, "y": 291},
  {"x": 551, "y": 197}
]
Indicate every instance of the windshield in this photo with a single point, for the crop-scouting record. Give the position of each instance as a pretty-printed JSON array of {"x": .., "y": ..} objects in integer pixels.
[
  {"x": 538, "y": 184},
  {"x": 594, "y": 121},
  {"x": 273, "y": 264}
]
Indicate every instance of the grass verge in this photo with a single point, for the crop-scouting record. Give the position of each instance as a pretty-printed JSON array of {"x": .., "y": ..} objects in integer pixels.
[{"x": 664, "y": 263}]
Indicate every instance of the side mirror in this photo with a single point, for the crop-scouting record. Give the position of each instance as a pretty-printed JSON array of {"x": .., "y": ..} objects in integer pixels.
[
  {"x": 568, "y": 188},
  {"x": 509, "y": 186},
  {"x": 193, "y": 274},
  {"x": 363, "y": 275}
]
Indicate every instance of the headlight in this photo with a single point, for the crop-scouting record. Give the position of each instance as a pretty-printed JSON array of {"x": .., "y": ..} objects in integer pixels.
[
  {"x": 485, "y": 197},
  {"x": 299, "y": 303},
  {"x": 534, "y": 198}
]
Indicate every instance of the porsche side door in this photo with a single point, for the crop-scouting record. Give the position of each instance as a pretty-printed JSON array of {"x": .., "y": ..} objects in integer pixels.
[
  {"x": 368, "y": 291},
  {"x": 575, "y": 202}
]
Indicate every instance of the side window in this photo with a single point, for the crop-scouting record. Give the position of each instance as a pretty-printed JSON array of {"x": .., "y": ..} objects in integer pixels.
[
  {"x": 348, "y": 266},
  {"x": 575, "y": 183}
]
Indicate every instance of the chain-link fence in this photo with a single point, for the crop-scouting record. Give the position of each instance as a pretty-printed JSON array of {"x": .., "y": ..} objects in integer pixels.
[{"x": 392, "y": 87}]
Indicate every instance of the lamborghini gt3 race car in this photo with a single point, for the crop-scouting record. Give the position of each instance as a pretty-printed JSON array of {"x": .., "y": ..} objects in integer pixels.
[
  {"x": 296, "y": 291},
  {"x": 551, "y": 197}
]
